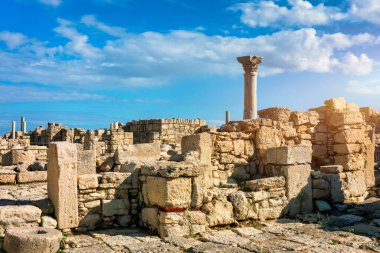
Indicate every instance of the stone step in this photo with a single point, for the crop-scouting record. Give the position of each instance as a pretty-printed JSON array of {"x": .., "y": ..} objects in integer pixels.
[{"x": 19, "y": 216}]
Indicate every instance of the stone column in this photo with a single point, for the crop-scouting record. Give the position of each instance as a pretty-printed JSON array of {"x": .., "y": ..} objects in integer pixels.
[
  {"x": 23, "y": 125},
  {"x": 227, "y": 117},
  {"x": 250, "y": 64},
  {"x": 13, "y": 130}
]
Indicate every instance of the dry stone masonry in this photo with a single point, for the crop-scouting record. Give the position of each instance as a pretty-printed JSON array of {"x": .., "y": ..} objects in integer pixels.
[{"x": 182, "y": 177}]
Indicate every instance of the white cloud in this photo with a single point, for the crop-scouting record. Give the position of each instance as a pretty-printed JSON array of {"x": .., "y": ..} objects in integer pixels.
[
  {"x": 371, "y": 87},
  {"x": 300, "y": 13},
  {"x": 12, "y": 40},
  {"x": 90, "y": 20},
  {"x": 53, "y": 3},
  {"x": 79, "y": 42},
  {"x": 359, "y": 65},
  {"x": 367, "y": 10},
  {"x": 153, "y": 58}
]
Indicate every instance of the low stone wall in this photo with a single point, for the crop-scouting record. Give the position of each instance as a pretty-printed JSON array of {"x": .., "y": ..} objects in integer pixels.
[
  {"x": 165, "y": 131},
  {"x": 23, "y": 165},
  {"x": 108, "y": 200}
]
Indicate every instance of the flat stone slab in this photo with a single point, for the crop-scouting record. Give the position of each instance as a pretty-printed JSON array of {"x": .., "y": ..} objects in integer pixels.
[{"x": 281, "y": 235}]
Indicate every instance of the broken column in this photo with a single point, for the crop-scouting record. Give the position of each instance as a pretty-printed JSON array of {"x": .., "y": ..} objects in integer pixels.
[
  {"x": 62, "y": 183},
  {"x": 13, "y": 130},
  {"x": 250, "y": 64},
  {"x": 23, "y": 125},
  {"x": 293, "y": 162}
]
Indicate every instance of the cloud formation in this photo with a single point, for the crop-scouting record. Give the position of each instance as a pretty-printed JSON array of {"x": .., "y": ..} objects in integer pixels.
[
  {"x": 370, "y": 87},
  {"x": 302, "y": 13},
  {"x": 153, "y": 58}
]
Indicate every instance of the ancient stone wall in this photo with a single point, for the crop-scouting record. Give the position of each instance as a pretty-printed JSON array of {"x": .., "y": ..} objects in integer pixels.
[
  {"x": 19, "y": 165},
  {"x": 108, "y": 200},
  {"x": 165, "y": 131}
]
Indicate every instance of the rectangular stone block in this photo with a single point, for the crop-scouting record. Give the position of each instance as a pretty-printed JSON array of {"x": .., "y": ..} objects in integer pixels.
[
  {"x": 7, "y": 177},
  {"x": 266, "y": 183},
  {"x": 336, "y": 103},
  {"x": 31, "y": 177},
  {"x": 351, "y": 161},
  {"x": 289, "y": 155},
  {"x": 343, "y": 149},
  {"x": 355, "y": 183},
  {"x": 115, "y": 207},
  {"x": 350, "y": 136},
  {"x": 62, "y": 183},
  {"x": 268, "y": 137},
  {"x": 331, "y": 169},
  {"x": 168, "y": 192},
  {"x": 298, "y": 188},
  {"x": 200, "y": 143},
  {"x": 86, "y": 161},
  {"x": 345, "y": 118},
  {"x": 88, "y": 181},
  {"x": 336, "y": 187},
  {"x": 147, "y": 152}
]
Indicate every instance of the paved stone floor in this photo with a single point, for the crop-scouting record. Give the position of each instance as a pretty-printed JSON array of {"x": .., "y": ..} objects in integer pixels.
[{"x": 276, "y": 236}]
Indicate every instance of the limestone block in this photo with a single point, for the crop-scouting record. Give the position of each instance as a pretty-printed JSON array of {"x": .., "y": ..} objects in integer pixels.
[
  {"x": 107, "y": 164},
  {"x": 149, "y": 217},
  {"x": 32, "y": 240},
  {"x": 289, "y": 155},
  {"x": 88, "y": 181},
  {"x": 345, "y": 118},
  {"x": 198, "y": 142},
  {"x": 352, "y": 107},
  {"x": 319, "y": 151},
  {"x": 48, "y": 222},
  {"x": 267, "y": 137},
  {"x": 356, "y": 183},
  {"x": 168, "y": 192},
  {"x": 298, "y": 188},
  {"x": 321, "y": 184},
  {"x": 197, "y": 192},
  {"x": 31, "y": 177},
  {"x": 147, "y": 152},
  {"x": 270, "y": 213},
  {"x": 27, "y": 157},
  {"x": 266, "y": 183},
  {"x": 336, "y": 103},
  {"x": 259, "y": 195},
  {"x": 351, "y": 161},
  {"x": 19, "y": 216},
  {"x": 90, "y": 221},
  {"x": 115, "y": 207},
  {"x": 350, "y": 136},
  {"x": 242, "y": 208},
  {"x": 300, "y": 118},
  {"x": 224, "y": 146},
  {"x": 238, "y": 147},
  {"x": 275, "y": 113},
  {"x": 62, "y": 183},
  {"x": 370, "y": 165},
  {"x": 336, "y": 187},
  {"x": 7, "y": 176},
  {"x": 86, "y": 162},
  {"x": 220, "y": 212},
  {"x": 344, "y": 149},
  {"x": 331, "y": 169}
]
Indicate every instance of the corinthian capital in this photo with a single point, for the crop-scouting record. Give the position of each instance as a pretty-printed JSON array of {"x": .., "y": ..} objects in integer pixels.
[{"x": 250, "y": 63}]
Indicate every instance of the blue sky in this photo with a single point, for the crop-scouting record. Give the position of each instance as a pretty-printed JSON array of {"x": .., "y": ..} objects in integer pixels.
[{"x": 86, "y": 63}]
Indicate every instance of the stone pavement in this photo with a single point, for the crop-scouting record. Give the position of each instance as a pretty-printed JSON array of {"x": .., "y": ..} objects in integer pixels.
[{"x": 276, "y": 236}]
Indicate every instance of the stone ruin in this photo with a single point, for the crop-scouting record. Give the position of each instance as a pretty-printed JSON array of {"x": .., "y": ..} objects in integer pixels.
[{"x": 178, "y": 177}]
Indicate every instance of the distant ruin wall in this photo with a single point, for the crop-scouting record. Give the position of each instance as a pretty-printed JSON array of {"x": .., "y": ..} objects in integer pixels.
[{"x": 165, "y": 131}]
